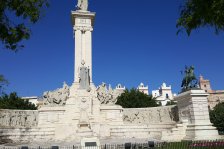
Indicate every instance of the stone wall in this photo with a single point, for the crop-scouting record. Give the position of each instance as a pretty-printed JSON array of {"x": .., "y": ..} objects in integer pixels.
[
  {"x": 155, "y": 115},
  {"x": 215, "y": 98},
  {"x": 18, "y": 118}
]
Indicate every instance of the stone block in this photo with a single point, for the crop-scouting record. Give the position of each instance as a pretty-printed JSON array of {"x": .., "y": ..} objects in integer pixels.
[{"x": 193, "y": 108}]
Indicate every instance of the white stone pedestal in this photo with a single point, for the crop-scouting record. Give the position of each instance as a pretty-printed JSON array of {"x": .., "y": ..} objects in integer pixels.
[{"x": 193, "y": 107}]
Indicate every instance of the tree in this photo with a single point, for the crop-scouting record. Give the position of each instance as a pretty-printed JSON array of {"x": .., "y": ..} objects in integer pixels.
[
  {"x": 217, "y": 116},
  {"x": 26, "y": 11},
  {"x": 135, "y": 99},
  {"x": 3, "y": 82},
  {"x": 201, "y": 13},
  {"x": 12, "y": 101}
]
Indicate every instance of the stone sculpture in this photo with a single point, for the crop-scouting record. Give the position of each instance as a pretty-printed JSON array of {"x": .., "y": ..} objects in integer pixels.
[
  {"x": 84, "y": 79},
  {"x": 84, "y": 118},
  {"x": 18, "y": 118},
  {"x": 82, "y": 5},
  {"x": 56, "y": 97},
  {"x": 189, "y": 81},
  {"x": 107, "y": 96}
]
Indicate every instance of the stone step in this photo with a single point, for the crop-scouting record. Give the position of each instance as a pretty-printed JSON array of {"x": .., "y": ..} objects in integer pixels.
[
  {"x": 150, "y": 126},
  {"x": 122, "y": 130},
  {"x": 28, "y": 130},
  {"x": 137, "y": 130},
  {"x": 25, "y": 134}
]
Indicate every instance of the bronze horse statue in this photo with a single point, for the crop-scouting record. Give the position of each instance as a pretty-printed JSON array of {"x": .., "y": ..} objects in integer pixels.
[{"x": 189, "y": 81}]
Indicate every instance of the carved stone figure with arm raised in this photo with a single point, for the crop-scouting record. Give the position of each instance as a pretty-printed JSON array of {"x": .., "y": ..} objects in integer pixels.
[{"x": 82, "y": 5}]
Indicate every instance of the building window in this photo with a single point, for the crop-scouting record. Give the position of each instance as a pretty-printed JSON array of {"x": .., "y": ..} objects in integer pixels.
[
  {"x": 167, "y": 96},
  {"x": 206, "y": 91},
  {"x": 205, "y": 85}
]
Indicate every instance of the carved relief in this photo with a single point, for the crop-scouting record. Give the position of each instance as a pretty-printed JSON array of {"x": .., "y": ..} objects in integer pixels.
[
  {"x": 151, "y": 115},
  {"x": 84, "y": 118},
  {"x": 56, "y": 97},
  {"x": 184, "y": 110},
  {"x": 18, "y": 118}
]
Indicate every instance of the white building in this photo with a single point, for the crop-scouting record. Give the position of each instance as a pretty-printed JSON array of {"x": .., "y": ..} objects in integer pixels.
[
  {"x": 120, "y": 87},
  {"x": 144, "y": 89},
  {"x": 32, "y": 99},
  {"x": 164, "y": 94}
]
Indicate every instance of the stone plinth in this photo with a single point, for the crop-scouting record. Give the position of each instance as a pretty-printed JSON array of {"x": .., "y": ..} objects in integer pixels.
[
  {"x": 193, "y": 108},
  {"x": 111, "y": 114}
]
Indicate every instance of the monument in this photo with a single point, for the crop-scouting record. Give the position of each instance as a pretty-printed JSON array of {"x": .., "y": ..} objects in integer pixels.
[
  {"x": 189, "y": 81},
  {"x": 78, "y": 111},
  {"x": 193, "y": 109},
  {"x": 82, "y": 111}
]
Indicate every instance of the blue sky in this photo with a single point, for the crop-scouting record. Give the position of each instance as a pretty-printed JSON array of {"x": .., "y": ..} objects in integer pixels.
[{"x": 133, "y": 41}]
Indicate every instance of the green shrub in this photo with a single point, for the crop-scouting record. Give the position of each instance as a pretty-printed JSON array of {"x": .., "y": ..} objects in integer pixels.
[
  {"x": 135, "y": 99},
  {"x": 217, "y": 116}
]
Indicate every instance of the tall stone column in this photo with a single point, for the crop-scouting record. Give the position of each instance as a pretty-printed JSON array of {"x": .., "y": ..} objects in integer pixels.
[{"x": 83, "y": 27}]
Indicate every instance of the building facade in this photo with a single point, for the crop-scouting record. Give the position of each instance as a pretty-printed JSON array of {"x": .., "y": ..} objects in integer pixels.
[
  {"x": 144, "y": 89},
  {"x": 215, "y": 96},
  {"x": 164, "y": 94}
]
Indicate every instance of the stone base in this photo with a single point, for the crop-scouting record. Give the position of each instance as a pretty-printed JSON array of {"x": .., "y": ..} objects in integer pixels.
[
  {"x": 175, "y": 134},
  {"x": 83, "y": 116},
  {"x": 23, "y": 135},
  {"x": 193, "y": 108},
  {"x": 84, "y": 132},
  {"x": 75, "y": 88},
  {"x": 152, "y": 131},
  {"x": 201, "y": 132}
]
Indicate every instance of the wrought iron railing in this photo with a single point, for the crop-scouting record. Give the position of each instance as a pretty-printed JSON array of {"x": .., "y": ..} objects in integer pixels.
[{"x": 218, "y": 144}]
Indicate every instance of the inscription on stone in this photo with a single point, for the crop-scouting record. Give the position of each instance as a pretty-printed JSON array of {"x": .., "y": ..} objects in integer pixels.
[{"x": 83, "y": 22}]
